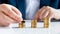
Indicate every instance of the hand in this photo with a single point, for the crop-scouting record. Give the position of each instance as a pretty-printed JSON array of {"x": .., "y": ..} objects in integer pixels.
[
  {"x": 44, "y": 12},
  {"x": 9, "y": 14}
]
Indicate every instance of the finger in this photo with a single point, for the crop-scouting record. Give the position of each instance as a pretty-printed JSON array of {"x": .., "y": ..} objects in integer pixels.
[
  {"x": 49, "y": 10},
  {"x": 38, "y": 13},
  {"x": 44, "y": 13},
  {"x": 11, "y": 13},
  {"x": 47, "y": 14},
  {"x": 4, "y": 16},
  {"x": 16, "y": 11}
]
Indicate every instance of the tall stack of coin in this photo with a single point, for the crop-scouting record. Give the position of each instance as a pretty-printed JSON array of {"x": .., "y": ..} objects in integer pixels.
[
  {"x": 46, "y": 22},
  {"x": 33, "y": 23},
  {"x": 22, "y": 24}
]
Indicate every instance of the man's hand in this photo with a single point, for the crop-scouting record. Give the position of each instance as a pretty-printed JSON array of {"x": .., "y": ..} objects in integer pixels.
[
  {"x": 9, "y": 14},
  {"x": 48, "y": 12}
]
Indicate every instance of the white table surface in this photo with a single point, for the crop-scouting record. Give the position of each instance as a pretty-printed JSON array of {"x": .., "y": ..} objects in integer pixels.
[{"x": 54, "y": 28}]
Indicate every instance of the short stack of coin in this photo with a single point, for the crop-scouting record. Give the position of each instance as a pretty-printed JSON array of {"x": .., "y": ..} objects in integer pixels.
[
  {"x": 33, "y": 23},
  {"x": 22, "y": 24},
  {"x": 46, "y": 22}
]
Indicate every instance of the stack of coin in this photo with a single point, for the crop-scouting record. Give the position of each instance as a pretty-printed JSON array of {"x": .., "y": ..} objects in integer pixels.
[
  {"x": 46, "y": 22},
  {"x": 22, "y": 24},
  {"x": 33, "y": 23}
]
